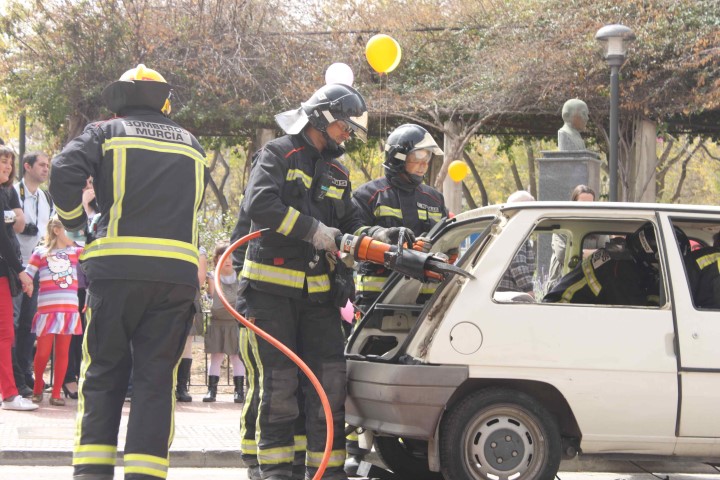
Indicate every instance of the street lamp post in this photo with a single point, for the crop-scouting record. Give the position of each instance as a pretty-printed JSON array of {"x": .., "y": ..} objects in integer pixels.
[{"x": 615, "y": 38}]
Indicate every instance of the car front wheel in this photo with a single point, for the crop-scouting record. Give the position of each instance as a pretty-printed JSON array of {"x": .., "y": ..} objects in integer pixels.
[{"x": 499, "y": 434}]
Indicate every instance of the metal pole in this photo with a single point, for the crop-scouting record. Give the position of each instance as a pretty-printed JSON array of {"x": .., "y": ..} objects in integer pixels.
[
  {"x": 614, "y": 120},
  {"x": 21, "y": 146}
]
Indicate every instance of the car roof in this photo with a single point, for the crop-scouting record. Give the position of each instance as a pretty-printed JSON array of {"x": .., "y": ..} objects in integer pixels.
[{"x": 509, "y": 208}]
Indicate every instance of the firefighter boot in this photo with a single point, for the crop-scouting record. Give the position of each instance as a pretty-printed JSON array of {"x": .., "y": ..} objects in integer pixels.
[
  {"x": 183, "y": 379},
  {"x": 212, "y": 388},
  {"x": 239, "y": 396}
]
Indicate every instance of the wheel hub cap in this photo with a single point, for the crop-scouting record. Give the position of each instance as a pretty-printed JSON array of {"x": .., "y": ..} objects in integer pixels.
[{"x": 504, "y": 449}]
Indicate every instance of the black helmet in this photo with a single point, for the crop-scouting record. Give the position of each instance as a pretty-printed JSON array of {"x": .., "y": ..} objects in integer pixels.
[
  {"x": 643, "y": 244},
  {"x": 330, "y": 103},
  {"x": 404, "y": 140}
]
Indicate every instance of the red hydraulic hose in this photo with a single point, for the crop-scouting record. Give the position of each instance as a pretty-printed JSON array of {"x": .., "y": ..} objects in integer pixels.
[{"x": 285, "y": 350}]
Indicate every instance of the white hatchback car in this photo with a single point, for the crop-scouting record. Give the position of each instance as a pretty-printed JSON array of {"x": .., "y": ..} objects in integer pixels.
[{"x": 475, "y": 383}]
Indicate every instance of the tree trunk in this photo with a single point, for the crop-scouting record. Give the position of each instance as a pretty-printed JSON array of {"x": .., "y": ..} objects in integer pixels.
[
  {"x": 484, "y": 200},
  {"x": 453, "y": 148}
]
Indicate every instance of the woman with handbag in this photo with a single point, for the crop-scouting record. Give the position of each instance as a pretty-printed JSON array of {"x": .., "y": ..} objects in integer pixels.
[{"x": 9, "y": 268}]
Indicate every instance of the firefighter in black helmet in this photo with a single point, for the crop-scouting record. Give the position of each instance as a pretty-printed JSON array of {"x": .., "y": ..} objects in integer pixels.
[
  {"x": 142, "y": 268},
  {"x": 399, "y": 199},
  {"x": 292, "y": 283}
]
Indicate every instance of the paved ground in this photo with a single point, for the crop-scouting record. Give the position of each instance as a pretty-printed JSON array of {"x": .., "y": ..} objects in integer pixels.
[{"x": 38, "y": 445}]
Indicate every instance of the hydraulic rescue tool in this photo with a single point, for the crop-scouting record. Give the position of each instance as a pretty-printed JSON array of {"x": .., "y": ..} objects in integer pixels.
[{"x": 406, "y": 261}]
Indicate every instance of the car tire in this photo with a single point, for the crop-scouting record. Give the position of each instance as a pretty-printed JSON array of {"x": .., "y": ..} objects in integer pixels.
[
  {"x": 407, "y": 458},
  {"x": 499, "y": 434}
]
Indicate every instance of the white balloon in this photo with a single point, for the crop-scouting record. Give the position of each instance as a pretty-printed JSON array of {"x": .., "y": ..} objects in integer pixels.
[{"x": 339, "y": 73}]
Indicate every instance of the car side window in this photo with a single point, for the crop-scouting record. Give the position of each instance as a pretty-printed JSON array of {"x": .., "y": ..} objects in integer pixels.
[
  {"x": 595, "y": 261},
  {"x": 699, "y": 244}
]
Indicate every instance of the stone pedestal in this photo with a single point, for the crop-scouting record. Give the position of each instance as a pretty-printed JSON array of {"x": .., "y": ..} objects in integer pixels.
[{"x": 561, "y": 171}]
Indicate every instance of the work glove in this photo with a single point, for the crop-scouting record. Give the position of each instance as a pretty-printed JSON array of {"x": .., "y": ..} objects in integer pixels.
[
  {"x": 422, "y": 244},
  {"x": 323, "y": 238},
  {"x": 391, "y": 235}
]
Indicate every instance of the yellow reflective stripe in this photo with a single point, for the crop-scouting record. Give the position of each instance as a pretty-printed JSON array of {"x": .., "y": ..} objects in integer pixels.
[
  {"x": 276, "y": 455},
  {"x": 300, "y": 443},
  {"x": 142, "y": 246},
  {"x": 318, "y": 283},
  {"x": 252, "y": 340},
  {"x": 422, "y": 214},
  {"x": 572, "y": 290},
  {"x": 115, "y": 212},
  {"x": 272, "y": 274},
  {"x": 294, "y": 173},
  {"x": 86, "y": 361},
  {"x": 707, "y": 260},
  {"x": 154, "y": 145},
  {"x": 199, "y": 192},
  {"x": 94, "y": 455},
  {"x": 337, "y": 458},
  {"x": 368, "y": 283},
  {"x": 288, "y": 222},
  {"x": 437, "y": 216},
  {"x": 335, "y": 192},
  {"x": 383, "y": 211},
  {"x": 247, "y": 445},
  {"x": 146, "y": 465},
  {"x": 592, "y": 280},
  {"x": 74, "y": 213},
  {"x": 428, "y": 288}
]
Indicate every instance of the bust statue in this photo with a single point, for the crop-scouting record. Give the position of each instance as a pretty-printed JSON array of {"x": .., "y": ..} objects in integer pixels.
[{"x": 575, "y": 116}]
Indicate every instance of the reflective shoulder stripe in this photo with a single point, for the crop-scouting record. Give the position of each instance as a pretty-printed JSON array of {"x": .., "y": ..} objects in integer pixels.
[
  {"x": 94, "y": 455},
  {"x": 383, "y": 211},
  {"x": 369, "y": 283},
  {"x": 142, "y": 246},
  {"x": 570, "y": 292},
  {"x": 337, "y": 458},
  {"x": 272, "y": 274},
  {"x": 707, "y": 260},
  {"x": 318, "y": 283},
  {"x": 146, "y": 465},
  {"x": 154, "y": 145},
  {"x": 294, "y": 173},
  {"x": 592, "y": 280},
  {"x": 288, "y": 222},
  {"x": 69, "y": 215}
]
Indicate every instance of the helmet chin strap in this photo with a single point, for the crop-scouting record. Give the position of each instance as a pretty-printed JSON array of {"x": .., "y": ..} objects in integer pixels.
[{"x": 330, "y": 144}]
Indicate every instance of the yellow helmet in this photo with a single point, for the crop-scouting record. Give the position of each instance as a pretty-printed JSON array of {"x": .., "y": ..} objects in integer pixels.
[
  {"x": 141, "y": 72},
  {"x": 139, "y": 86}
]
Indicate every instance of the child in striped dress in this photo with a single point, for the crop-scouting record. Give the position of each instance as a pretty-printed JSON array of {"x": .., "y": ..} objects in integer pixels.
[{"x": 57, "y": 316}]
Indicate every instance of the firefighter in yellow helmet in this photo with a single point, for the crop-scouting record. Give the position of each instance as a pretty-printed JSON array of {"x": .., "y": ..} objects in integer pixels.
[{"x": 149, "y": 178}]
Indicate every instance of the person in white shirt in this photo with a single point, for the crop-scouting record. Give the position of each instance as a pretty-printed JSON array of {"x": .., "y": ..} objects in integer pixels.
[{"x": 37, "y": 206}]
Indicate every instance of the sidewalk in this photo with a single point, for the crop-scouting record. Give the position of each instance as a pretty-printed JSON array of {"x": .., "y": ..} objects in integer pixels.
[{"x": 206, "y": 434}]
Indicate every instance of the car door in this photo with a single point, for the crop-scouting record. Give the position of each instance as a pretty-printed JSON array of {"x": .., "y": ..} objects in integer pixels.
[{"x": 698, "y": 336}]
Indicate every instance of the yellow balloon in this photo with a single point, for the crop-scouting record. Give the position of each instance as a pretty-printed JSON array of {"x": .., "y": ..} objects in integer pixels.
[
  {"x": 383, "y": 53},
  {"x": 458, "y": 170}
]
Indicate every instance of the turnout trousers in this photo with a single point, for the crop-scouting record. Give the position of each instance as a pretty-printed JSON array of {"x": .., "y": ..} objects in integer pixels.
[
  {"x": 153, "y": 318},
  {"x": 313, "y": 331}
]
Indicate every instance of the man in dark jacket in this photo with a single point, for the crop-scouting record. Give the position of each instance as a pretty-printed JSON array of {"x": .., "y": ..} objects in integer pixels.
[
  {"x": 300, "y": 192},
  {"x": 399, "y": 199},
  {"x": 149, "y": 177},
  {"x": 625, "y": 275}
]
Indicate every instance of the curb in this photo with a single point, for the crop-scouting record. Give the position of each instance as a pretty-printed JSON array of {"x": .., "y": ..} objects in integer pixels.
[{"x": 178, "y": 459}]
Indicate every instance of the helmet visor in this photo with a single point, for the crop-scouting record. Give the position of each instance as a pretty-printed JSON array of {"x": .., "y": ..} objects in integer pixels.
[{"x": 358, "y": 125}]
